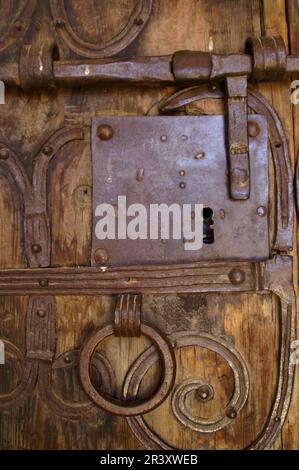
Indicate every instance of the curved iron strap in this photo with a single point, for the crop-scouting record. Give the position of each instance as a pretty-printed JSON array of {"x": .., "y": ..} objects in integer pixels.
[
  {"x": 279, "y": 146},
  {"x": 19, "y": 26},
  {"x": 34, "y": 196},
  {"x": 122, "y": 40}
]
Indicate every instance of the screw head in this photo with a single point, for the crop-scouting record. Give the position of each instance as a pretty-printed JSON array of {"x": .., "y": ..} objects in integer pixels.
[
  {"x": 41, "y": 312},
  {"x": 43, "y": 282},
  {"x": 236, "y": 276},
  {"x": 4, "y": 154},
  {"x": 253, "y": 129},
  {"x": 105, "y": 132},
  {"x": 47, "y": 150},
  {"x": 101, "y": 256},
  {"x": 231, "y": 413},
  {"x": 36, "y": 248},
  {"x": 261, "y": 211}
]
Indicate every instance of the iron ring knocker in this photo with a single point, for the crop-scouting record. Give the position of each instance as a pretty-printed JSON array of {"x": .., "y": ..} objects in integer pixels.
[{"x": 128, "y": 407}]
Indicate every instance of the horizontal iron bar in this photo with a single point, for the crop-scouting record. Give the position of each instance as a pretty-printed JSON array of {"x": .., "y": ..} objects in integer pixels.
[
  {"x": 216, "y": 277},
  {"x": 149, "y": 69}
]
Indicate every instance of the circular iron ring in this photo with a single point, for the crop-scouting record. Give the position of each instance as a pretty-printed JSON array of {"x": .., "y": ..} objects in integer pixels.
[{"x": 131, "y": 407}]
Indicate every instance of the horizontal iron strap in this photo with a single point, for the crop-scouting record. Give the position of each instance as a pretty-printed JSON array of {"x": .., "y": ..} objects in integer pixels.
[
  {"x": 145, "y": 70},
  {"x": 230, "y": 277}
]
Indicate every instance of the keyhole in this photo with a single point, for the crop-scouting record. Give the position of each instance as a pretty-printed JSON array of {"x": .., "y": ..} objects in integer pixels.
[{"x": 208, "y": 231}]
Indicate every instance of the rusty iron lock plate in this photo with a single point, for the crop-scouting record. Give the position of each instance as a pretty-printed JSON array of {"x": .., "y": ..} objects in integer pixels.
[{"x": 182, "y": 160}]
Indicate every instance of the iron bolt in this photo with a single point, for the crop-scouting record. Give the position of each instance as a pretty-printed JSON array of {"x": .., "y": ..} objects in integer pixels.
[
  {"x": 204, "y": 393},
  {"x": 43, "y": 282},
  {"x": 4, "y": 154},
  {"x": 231, "y": 413},
  {"x": 138, "y": 21},
  {"x": 236, "y": 276},
  {"x": 18, "y": 25},
  {"x": 60, "y": 23},
  {"x": 261, "y": 211},
  {"x": 253, "y": 128},
  {"x": 41, "y": 312},
  {"x": 67, "y": 359},
  {"x": 163, "y": 138},
  {"x": 182, "y": 185},
  {"x": 36, "y": 248},
  {"x": 47, "y": 150},
  {"x": 105, "y": 132},
  {"x": 101, "y": 256},
  {"x": 182, "y": 172}
]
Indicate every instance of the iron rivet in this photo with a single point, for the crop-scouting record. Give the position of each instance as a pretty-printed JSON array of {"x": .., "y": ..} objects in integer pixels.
[
  {"x": 43, "y": 282},
  {"x": 192, "y": 215},
  {"x": 18, "y": 25},
  {"x": 277, "y": 419},
  {"x": 261, "y": 211},
  {"x": 163, "y": 138},
  {"x": 36, "y": 248},
  {"x": 204, "y": 393},
  {"x": 67, "y": 359},
  {"x": 41, "y": 312},
  {"x": 105, "y": 132},
  {"x": 101, "y": 256},
  {"x": 212, "y": 88},
  {"x": 236, "y": 276},
  {"x": 231, "y": 413},
  {"x": 60, "y": 23},
  {"x": 199, "y": 155},
  {"x": 140, "y": 174},
  {"x": 182, "y": 185},
  {"x": 222, "y": 214},
  {"x": 253, "y": 128},
  {"x": 182, "y": 172},
  {"x": 184, "y": 137},
  {"x": 4, "y": 154},
  {"x": 47, "y": 150},
  {"x": 138, "y": 21}
]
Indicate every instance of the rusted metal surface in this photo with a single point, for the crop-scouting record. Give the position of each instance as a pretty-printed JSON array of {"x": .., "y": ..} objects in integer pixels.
[
  {"x": 268, "y": 62},
  {"x": 127, "y": 316},
  {"x": 198, "y": 277},
  {"x": 283, "y": 240},
  {"x": 237, "y": 137},
  {"x": 128, "y": 407},
  {"x": 118, "y": 164}
]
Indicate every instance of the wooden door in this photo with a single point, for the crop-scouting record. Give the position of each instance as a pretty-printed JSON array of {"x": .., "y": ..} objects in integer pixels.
[{"x": 231, "y": 345}]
